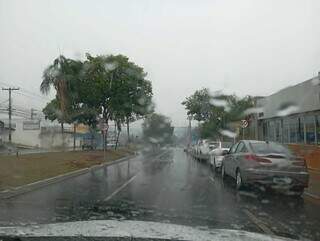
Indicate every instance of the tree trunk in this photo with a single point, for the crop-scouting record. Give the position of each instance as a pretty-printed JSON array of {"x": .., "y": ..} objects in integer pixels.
[
  {"x": 62, "y": 134},
  {"x": 128, "y": 129},
  {"x": 74, "y": 136},
  {"x": 106, "y": 136},
  {"x": 117, "y": 141}
]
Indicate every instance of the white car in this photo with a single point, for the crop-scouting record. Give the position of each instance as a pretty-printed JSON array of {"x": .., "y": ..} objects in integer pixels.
[
  {"x": 206, "y": 146},
  {"x": 216, "y": 157}
]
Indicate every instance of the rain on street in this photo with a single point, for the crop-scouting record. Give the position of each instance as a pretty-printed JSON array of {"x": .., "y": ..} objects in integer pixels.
[{"x": 168, "y": 187}]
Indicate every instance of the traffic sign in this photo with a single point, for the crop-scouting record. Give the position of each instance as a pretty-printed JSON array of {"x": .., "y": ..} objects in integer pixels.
[
  {"x": 244, "y": 123},
  {"x": 103, "y": 125}
]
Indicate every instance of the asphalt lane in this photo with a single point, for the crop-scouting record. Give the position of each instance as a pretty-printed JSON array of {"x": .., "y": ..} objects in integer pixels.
[{"x": 172, "y": 188}]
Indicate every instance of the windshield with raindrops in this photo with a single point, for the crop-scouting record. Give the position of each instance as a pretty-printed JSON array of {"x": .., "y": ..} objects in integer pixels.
[{"x": 158, "y": 120}]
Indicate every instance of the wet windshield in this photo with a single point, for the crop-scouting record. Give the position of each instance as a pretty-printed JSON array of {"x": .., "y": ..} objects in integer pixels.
[{"x": 141, "y": 113}]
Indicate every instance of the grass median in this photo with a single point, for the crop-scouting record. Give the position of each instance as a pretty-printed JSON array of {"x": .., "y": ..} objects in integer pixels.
[{"x": 16, "y": 171}]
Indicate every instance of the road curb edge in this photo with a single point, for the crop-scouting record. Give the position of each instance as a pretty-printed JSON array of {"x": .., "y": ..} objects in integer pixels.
[{"x": 6, "y": 194}]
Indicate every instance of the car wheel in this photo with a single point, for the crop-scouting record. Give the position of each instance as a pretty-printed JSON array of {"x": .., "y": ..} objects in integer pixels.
[
  {"x": 239, "y": 183},
  {"x": 223, "y": 173}
]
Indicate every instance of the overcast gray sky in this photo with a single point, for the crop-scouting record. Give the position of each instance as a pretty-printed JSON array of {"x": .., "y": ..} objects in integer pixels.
[{"x": 251, "y": 47}]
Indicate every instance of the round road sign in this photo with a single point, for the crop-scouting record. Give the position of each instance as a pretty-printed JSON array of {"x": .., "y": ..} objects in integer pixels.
[{"x": 244, "y": 123}]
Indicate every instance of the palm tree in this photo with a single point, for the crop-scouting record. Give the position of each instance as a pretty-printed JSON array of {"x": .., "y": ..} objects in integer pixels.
[{"x": 63, "y": 75}]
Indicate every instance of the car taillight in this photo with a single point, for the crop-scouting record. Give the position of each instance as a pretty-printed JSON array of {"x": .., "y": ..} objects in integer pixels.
[{"x": 251, "y": 157}]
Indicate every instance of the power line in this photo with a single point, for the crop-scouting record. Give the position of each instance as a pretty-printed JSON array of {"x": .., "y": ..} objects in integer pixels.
[
  {"x": 28, "y": 92},
  {"x": 31, "y": 97}
]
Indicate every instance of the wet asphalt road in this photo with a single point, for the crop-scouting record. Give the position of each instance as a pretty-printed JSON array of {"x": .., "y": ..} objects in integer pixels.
[{"x": 171, "y": 188}]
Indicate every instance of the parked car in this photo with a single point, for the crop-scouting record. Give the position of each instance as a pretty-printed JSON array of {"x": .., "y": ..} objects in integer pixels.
[
  {"x": 206, "y": 146},
  {"x": 216, "y": 157},
  {"x": 265, "y": 163},
  {"x": 88, "y": 143}
]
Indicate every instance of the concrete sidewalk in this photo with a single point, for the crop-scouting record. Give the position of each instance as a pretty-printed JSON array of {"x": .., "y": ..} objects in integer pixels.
[{"x": 314, "y": 185}]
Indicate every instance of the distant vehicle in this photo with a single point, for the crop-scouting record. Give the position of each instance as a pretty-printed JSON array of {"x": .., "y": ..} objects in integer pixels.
[
  {"x": 216, "y": 157},
  {"x": 88, "y": 143},
  {"x": 197, "y": 147},
  {"x": 265, "y": 163},
  {"x": 193, "y": 148},
  {"x": 206, "y": 146},
  {"x": 111, "y": 144}
]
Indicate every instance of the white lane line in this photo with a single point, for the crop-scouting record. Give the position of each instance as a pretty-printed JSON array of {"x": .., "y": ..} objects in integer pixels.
[
  {"x": 259, "y": 223},
  {"x": 120, "y": 188},
  {"x": 211, "y": 178},
  {"x": 129, "y": 181},
  {"x": 311, "y": 195}
]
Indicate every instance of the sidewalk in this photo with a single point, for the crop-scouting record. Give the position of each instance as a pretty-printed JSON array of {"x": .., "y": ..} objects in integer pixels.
[{"x": 314, "y": 185}]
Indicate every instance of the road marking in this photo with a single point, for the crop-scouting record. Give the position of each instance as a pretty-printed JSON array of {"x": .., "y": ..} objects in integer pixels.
[
  {"x": 259, "y": 223},
  {"x": 129, "y": 181},
  {"x": 120, "y": 188},
  {"x": 313, "y": 200},
  {"x": 311, "y": 195},
  {"x": 211, "y": 178}
]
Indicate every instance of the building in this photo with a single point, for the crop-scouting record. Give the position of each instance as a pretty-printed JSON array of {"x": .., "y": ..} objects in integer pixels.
[
  {"x": 292, "y": 116},
  {"x": 38, "y": 133}
]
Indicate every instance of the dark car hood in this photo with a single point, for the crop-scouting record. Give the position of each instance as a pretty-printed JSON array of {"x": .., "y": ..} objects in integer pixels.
[{"x": 126, "y": 230}]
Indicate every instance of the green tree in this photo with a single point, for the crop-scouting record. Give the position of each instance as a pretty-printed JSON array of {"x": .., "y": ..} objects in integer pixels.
[
  {"x": 216, "y": 112},
  {"x": 109, "y": 85},
  {"x": 198, "y": 105},
  {"x": 64, "y": 75},
  {"x": 121, "y": 91},
  {"x": 157, "y": 129},
  {"x": 52, "y": 111}
]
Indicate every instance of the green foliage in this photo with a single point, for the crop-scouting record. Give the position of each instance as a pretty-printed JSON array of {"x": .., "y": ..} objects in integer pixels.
[
  {"x": 157, "y": 129},
  {"x": 216, "y": 112},
  {"x": 51, "y": 111},
  {"x": 198, "y": 105},
  {"x": 64, "y": 75},
  {"x": 110, "y": 85}
]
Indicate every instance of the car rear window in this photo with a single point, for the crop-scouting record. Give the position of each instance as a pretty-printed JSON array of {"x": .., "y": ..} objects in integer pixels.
[{"x": 270, "y": 148}]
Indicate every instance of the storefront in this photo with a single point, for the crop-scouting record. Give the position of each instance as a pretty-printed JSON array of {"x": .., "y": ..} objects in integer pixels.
[{"x": 292, "y": 116}]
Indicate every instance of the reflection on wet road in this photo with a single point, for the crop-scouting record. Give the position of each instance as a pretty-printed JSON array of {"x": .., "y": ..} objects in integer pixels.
[{"x": 169, "y": 188}]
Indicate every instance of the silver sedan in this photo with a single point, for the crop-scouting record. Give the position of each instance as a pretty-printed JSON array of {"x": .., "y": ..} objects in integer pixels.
[{"x": 265, "y": 163}]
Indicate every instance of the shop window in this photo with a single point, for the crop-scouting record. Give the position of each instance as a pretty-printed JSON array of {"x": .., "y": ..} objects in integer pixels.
[
  {"x": 310, "y": 129},
  {"x": 285, "y": 131},
  {"x": 264, "y": 130},
  {"x": 318, "y": 128},
  {"x": 278, "y": 131},
  {"x": 300, "y": 134},
  {"x": 271, "y": 131},
  {"x": 293, "y": 124}
]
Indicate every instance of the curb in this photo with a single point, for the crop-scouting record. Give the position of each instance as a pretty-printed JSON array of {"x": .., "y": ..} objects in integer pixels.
[
  {"x": 312, "y": 195},
  {"x": 6, "y": 194},
  {"x": 314, "y": 170}
]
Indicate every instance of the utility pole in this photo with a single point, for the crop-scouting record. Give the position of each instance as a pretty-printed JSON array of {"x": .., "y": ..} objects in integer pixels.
[
  {"x": 189, "y": 132},
  {"x": 32, "y": 113},
  {"x": 10, "y": 108}
]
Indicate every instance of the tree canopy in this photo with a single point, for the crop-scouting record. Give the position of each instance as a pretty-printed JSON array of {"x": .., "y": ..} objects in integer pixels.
[
  {"x": 216, "y": 111},
  {"x": 157, "y": 128},
  {"x": 110, "y": 86}
]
